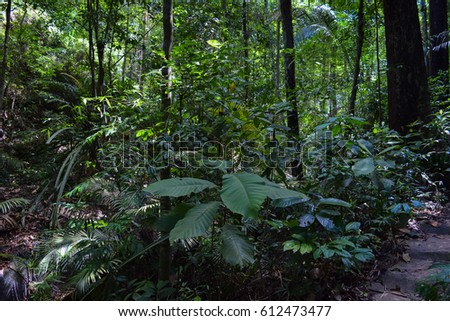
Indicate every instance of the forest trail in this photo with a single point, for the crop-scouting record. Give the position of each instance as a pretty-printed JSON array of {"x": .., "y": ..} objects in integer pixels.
[{"x": 431, "y": 245}]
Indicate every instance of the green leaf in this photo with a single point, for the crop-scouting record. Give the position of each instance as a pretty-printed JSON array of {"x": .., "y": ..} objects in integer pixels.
[
  {"x": 305, "y": 248},
  {"x": 195, "y": 223},
  {"x": 357, "y": 121},
  {"x": 236, "y": 247},
  {"x": 364, "y": 167},
  {"x": 417, "y": 204},
  {"x": 214, "y": 43},
  {"x": 275, "y": 191},
  {"x": 176, "y": 187},
  {"x": 327, "y": 252},
  {"x": 341, "y": 243},
  {"x": 366, "y": 146},
  {"x": 325, "y": 222},
  {"x": 386, "y": 164},
  {"x": 334, "y": 202},
  {"x": 363, "y": 254},
  {"x": 286, "y": 202},
  {"x": 353, "y": 227},
  {"x": 243, "y": 193},
  {"x": 387, "y": 183},
  {"x": 306, "y": 220},
  {"x": 328, "y": 212},
  {"x": 166, "y": 222},
  {"x": 291, "y": 245}
]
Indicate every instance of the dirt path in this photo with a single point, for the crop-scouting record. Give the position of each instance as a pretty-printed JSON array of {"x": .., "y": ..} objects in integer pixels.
[{"x": 431, "y": 246}]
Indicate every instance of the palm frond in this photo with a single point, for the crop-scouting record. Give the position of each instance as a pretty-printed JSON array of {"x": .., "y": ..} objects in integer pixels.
[
  {"x": 84, "y": 256},
  {"x": 8, "y": 162},
  {"x": 8, "y": 205}
]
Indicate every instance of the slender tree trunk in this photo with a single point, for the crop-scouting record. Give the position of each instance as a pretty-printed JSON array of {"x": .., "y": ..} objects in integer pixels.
[
  {"x": 289, "y": 69},
  {"x": 277, "y": 60},
  {"x": 5, "y": 57},
  {"x": 143, "y": 50},
  {"x": 425, "y": 34},
  {"x": 166, "y": 102},
  {"x": 408, "y": 96},
  {"x": 246, "y": 35},
  {"x": 125, "y": 46},
  {"x": 90, "y": 18},
  {"x": 379, "y": 110},
  {"x": 439, "y": 36},
  {"x": 359, "y": 48},
  {"x": 100, "y": 44}
]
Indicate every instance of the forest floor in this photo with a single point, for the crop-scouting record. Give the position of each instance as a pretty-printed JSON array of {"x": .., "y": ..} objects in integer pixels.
[
  {"x": 20, "y": 238},
  {"x": 427, "y": 242}
]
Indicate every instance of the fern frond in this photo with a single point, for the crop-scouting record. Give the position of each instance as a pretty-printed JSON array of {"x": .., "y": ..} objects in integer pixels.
[
  {"x": 9, "y": 162},
  {"x": 8, "y": 205},
  {"x": 152, "y": 208}
]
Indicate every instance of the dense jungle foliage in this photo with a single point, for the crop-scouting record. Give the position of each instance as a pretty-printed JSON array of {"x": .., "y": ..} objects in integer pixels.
[{"x": 153, "y": 142}]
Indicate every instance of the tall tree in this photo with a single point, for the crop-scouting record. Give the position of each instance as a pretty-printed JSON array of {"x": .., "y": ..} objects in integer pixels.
[
  {"x": 166, "y": 102},
  {"x": 289, "y": 72},
  {"x": 4, "y": 66},
  {"x": 246, "y": 36},
  {"x": 439, "y": 36},
  {"x": 359, "y": 48},
  {"x": 425, "y": 33},
  {"x": 408, "y": 96}
]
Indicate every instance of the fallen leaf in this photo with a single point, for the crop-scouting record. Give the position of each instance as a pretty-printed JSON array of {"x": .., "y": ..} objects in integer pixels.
[
  {"x": 434, "y": 223},
  {"x": 398, "y": 293},
  {"x": 406, "y": 257}
]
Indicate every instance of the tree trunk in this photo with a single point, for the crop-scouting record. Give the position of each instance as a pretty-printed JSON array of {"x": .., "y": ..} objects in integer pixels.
[
  {"x": 289, "y": 70},
  {"x": 379, "y": 107},
  {"x": 359, "y": 48},
  {"x": 277, "y": 60},
  {"x": 246, "y": 36},
  {"x": 289, "y": 64},
  {"x": 408, "y": 96},
  {"x": 166, "y": 102},
  {"x": 100, "y": 44},
  {"x": 439, "y": 36},
  {"x": 5, "y": 57},
  {"x": 425, "y": 34},
  {"x": 90, "y": 14}
]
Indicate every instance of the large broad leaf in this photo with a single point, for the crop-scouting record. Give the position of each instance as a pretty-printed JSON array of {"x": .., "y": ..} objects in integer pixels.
[
  {"x": 364, "y": 167},
  {"x": 306, "y": 220},
  {"x": 176, "y": 187},
  {"x": 243, "y": 193},
  {"x": 274, "y": 191},
  {"x": 236, "y": 248},
  {"x": 166, "y": 222},
  {"x": 325, "y": 222},
  {"x": 195, "y": 223},
  {"x": 334, "y": 202},
  {"x": 286, "y": 202}
]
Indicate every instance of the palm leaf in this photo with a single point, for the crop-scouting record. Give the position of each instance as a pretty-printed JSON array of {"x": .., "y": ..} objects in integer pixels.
[
  {"x": 195, "y": 223},
  {"x": 8, "y": 205},
  {"x": 243, "y": 193},
  {"x": 176, "y": 187},
  {"x": 236, "y": 248}
]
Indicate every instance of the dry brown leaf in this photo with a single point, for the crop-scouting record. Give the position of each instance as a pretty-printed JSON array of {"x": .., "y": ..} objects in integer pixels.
[
  {"x": 406, "y": 257},
  {"x": 434, "y": 223},
  {"x": 398, "y": 293}
]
